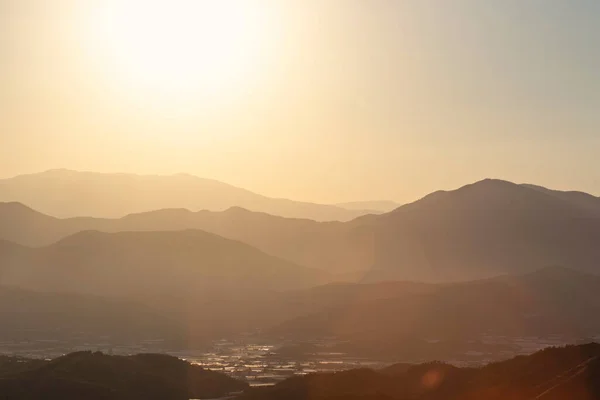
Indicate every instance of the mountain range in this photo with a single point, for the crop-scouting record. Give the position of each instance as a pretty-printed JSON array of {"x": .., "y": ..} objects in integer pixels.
[
  {"x": 216, "y": 273},
  {"x": 485, "y": 229},
  {"x": 66, "y": 193}
]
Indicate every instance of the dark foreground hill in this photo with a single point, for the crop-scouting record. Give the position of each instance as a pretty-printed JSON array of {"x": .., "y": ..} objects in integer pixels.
[
  {"x": 571, "y": 372},
  {"x": 96, "y": 376},
  {"x": 568, "y": 373},
  {"x": 481, "y": 230}
]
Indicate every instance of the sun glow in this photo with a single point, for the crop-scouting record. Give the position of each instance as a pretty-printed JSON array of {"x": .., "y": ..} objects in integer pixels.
[{"x": 182, "y": 47}]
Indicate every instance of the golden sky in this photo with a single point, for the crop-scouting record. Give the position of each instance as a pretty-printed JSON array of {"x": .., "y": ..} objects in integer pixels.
[{"x": 331, "y": 100}]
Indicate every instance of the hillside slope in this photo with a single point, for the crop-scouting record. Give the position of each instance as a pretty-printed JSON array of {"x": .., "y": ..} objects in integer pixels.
[
  {"x": 565, "y": 373},
  {"x": 95, "y": 376}
]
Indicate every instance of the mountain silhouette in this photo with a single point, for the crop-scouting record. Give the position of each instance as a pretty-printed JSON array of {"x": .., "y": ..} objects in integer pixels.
[
  {"x": 481, "y": 230},
  {"x": 149, "y": 263},
  {"x": 303, "y": 241},
  {"x": 67, "y": 193}
]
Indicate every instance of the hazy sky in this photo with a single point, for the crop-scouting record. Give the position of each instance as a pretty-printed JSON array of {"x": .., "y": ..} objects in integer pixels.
[{"x": 329, "y": 100}]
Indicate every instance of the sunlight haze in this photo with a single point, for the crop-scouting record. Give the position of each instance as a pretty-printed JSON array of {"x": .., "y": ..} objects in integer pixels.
[
  {"x": 299, "y": 199},
  {"x": 325, "y": 101}
]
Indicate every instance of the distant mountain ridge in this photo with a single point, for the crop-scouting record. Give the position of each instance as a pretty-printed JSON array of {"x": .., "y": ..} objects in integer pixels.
[
  {"x": 66, "y": 193},
  {"x": 484, "y": 229}
]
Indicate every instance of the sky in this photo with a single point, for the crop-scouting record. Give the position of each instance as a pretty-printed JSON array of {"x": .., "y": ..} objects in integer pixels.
[{"x": 317, "y": 100}]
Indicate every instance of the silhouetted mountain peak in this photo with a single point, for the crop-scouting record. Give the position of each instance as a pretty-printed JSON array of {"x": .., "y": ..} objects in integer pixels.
[
  {"x": 491, "y": 195},
  {"x": 237, "y": 210},
  {"x": 488, "y": 187},
  {"x": 484, "y": 187}
]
